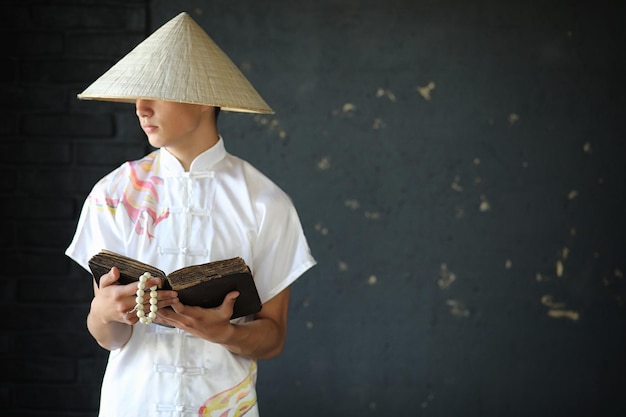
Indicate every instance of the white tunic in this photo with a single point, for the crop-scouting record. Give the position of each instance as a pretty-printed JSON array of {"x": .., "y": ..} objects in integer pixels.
[{"x": 152, "y": 210}]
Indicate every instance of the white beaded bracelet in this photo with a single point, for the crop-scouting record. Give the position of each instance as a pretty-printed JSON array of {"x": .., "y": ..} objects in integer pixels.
[{"x": 141, "y": 287}]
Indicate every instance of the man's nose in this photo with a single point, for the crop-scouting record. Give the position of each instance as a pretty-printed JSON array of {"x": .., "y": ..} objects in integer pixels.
[{"x": 144, "y": 107}]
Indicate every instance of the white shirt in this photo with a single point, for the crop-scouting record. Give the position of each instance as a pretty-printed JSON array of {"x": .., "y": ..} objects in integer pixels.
[{"x": 154, "y": 211}]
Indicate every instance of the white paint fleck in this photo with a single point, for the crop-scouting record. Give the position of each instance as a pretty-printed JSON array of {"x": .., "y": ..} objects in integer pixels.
[
  {"x": 513, "y": 118},
  {"x": 426, "y": 90},
  {"x": 587, "y": 147},
  {"x": 342, "y": 266},
  {"x": 372, "y": 280},
  {"x": 378, "y": 124},
  {"x": 567, "y": 314},
  {"x": 457, "y": 308},
  {"x": 547, "y": 301},
  {"x": 348, "y": 107},
  {"x": 382, "y": 92},
  {"x": 446, "y": 277},
  {"x": 508, "y": 264},
  {"x": 572, "y": 195},
  {"x": 484, "y": 204},
  {"x": 372, "y": 215},
  {"x": 324, "y": 163},
  {"x": 455, "y": 184},
  {"x": 559, "y": 268},
  {"x": 352, "y": 203},
  {"x": 323, "y": 230}
]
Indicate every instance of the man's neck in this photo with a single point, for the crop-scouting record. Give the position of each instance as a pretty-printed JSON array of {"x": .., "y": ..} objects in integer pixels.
[{"x": 202, "y": 140}]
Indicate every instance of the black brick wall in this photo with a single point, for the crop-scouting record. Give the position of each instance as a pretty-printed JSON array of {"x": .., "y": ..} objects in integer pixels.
[{"x": 52, "y": 150}]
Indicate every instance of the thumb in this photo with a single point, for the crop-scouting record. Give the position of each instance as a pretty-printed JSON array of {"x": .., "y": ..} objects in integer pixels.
[
  {"x": 232, "y": 296},
  {"x": 110, "y": 277},
  {"x": 230, "y": 299}
]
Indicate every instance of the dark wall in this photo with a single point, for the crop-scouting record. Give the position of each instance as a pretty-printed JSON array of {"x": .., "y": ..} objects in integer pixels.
[{"x": 458, "y": 167}]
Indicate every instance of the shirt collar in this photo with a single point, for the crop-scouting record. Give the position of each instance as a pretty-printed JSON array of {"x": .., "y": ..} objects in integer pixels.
[{"x": 202, "y": 163}]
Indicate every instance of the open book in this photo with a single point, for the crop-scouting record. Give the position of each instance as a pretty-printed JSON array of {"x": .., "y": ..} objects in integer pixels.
[{"x": 203, "y": 285}]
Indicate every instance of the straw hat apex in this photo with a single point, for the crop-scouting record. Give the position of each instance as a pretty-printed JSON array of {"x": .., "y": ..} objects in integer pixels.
[{"x": 179, "y": 62}]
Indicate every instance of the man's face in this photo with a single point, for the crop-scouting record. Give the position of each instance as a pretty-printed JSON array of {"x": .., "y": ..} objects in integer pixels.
[{"x": 169, "y": 124}]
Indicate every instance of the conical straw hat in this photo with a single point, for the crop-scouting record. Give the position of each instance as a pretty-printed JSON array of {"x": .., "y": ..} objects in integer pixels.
[{"x": 179, "y": 62}]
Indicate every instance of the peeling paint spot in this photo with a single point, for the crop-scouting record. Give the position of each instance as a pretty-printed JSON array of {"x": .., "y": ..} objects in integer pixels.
[
  {"x": 508, "y": 264},
  {"x": 372, "y": 280},
  {"x": 446, "y": 277},
  {"x": 484, "y": 204},
  {"x": 572, "y": 195},
  {"x": 547, "y": 301},
  {"x": 352, "y": 203},
  {"x": 425, "y": 90},
  {"x": 538, "y": 277},
  {"x": 457, "y": 308},
  {"x": 587, "y": 147},
  {"x": 342, "y": 266},
  {"x": 559, "y": 268},
  {"x": 321, "y": 229},
  {"x": 564, "y": 253},
  {"x": 381, "y": 92},
  {"x": 324, "y": 163},
  {"x": 618, "y": 273},
  {"x": 513, "y": 118},
  {"x": 348, "y": 107},
  {"x": 372, "y": 215},
  {"x": 455, "y": 184},
  {"x": 378, "y": 124},
  {"x": 309, "y": 324},
  {"x": 567, "y": 314},
  {"x": 476, "y": 161}
]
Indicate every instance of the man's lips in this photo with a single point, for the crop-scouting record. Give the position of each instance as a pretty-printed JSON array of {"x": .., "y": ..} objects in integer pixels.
[{"x": 149, "y": 128}]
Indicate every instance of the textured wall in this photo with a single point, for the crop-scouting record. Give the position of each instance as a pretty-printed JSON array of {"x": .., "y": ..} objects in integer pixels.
[{"x": 457, "y": 165}]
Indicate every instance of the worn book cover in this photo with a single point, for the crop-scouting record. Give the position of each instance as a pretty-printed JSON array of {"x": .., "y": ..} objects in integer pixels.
[{"x": 203, "y": 285}]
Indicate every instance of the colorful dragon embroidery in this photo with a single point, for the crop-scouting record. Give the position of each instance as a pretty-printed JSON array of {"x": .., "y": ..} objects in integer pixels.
[{"x": 139, "y": 196}]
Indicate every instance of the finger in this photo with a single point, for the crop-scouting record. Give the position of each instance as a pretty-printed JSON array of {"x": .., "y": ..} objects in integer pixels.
[
  {"x": 131, "y": 317},
  {"x": 110, "y": 277},
  {"x": 230, "y": 299},
  {"x": 177, "y": 306}
]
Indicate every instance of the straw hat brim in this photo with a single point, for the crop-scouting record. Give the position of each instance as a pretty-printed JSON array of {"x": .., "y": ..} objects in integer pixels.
[{"x": 180, "y": 63}]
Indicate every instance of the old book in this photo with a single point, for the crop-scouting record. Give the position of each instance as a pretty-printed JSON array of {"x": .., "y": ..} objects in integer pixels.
[{"x": 203, "y": 285}]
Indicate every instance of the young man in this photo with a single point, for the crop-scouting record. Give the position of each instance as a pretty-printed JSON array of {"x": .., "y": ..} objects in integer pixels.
[{"x": 189, "y": 202}]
